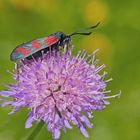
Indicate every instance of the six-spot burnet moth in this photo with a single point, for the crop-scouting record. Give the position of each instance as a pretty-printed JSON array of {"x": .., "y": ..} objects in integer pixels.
[{"x": 33, "y": 49}]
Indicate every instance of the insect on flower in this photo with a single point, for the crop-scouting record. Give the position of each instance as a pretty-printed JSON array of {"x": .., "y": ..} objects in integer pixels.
[
  {"x": 60, "y": 89},
  {"x": 34, "y": 48}
]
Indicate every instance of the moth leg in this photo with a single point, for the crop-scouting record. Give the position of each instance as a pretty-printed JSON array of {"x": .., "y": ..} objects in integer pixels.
[
  {"x": 18, "y": 69},
  {"x": 67, "y": 47}
]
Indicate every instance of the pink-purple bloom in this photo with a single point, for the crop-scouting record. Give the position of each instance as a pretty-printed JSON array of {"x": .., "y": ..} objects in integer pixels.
[{"x": 59, "y": 89}]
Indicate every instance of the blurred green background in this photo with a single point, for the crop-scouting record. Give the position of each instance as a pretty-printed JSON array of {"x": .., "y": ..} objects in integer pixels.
[{"x": 117, "y": 37}]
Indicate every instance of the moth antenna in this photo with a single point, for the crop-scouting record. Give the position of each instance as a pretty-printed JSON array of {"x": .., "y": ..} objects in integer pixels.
[
  {"x": 83, "y": 29},
  {"x": 92, "y": 27},
  {"x": 76, "y": 33}
]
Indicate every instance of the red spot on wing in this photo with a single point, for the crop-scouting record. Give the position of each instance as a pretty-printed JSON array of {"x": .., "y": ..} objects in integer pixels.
[
  {"x": 24, "y": 51},
  {"x": 36, "y": 44},
  {"x": 50, "y": 40}
]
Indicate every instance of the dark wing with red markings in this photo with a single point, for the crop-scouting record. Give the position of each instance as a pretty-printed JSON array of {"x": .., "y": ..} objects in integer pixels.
[{"x": 27, "y": 49}]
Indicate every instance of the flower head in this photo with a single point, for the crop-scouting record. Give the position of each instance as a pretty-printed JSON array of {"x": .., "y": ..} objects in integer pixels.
[{"x": 59, "y": 89}]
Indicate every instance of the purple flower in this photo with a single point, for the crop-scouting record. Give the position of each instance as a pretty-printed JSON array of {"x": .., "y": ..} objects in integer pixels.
[{"x": 59, "y": 89}]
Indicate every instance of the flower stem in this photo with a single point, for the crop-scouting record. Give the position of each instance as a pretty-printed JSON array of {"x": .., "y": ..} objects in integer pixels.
[{"x": 36, "y": 131}]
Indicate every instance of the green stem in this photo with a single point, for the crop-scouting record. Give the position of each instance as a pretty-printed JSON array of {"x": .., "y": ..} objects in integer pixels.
[{"x": 36, "y": 131}]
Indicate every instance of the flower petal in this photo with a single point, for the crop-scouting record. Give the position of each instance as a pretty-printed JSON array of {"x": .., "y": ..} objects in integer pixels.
[
  {"x": 29, "y": 121},
  {"x": 84, "y": 132},
  {"x": 6, "y": 93},
  {"x": 56, "y": 133}
]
